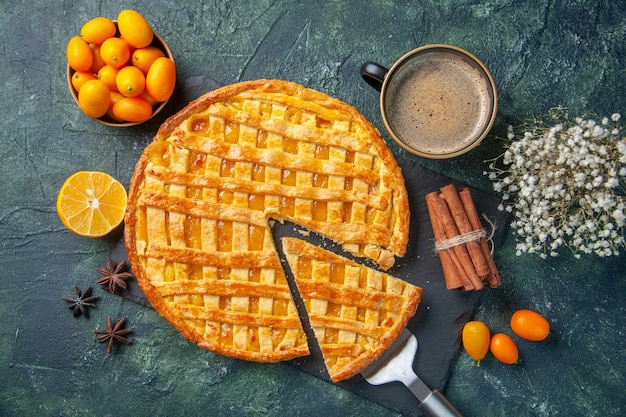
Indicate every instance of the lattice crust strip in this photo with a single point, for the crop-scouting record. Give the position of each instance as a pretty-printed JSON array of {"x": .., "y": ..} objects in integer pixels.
[
  {"x": 356, "y": 312},
  {"x": 203, "y": 191}
]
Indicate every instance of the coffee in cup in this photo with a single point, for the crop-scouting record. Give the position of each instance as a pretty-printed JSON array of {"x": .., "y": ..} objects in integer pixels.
[{"x": 437, "y": 101}]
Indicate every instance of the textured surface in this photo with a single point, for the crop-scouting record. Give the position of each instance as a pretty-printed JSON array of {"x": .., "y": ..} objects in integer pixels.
[{"x": 542, "y": 54}]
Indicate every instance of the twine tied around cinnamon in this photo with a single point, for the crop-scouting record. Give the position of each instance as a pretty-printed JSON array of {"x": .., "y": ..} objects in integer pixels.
[{"x": 473, "y": 236}]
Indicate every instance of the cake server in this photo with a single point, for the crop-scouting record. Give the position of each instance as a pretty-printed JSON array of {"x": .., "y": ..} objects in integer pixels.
[{"x": 396, "y": 364}]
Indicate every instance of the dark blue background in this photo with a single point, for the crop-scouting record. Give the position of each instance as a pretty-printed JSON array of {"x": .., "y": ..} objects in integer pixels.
[{"x": 541, "y": 53}]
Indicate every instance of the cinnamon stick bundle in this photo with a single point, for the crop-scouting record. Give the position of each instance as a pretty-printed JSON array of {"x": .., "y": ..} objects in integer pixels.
[{"x": 461, "y": 241}]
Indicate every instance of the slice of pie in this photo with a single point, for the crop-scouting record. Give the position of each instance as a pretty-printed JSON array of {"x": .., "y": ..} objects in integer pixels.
[
  {"x": 202, "y": 193},
  {"x": 356, "y": 312}
]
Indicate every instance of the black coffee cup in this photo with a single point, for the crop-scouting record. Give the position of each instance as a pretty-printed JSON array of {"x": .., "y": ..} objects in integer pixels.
[{"x": 437, "y": 101}]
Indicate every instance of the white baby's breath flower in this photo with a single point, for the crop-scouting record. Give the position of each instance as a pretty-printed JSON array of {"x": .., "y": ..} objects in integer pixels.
[
  {"x": 611, "y": 182},
  {"x": 619, "y": 217},
  {"x": 509, "y": 133},
  {"x": 565, "y": 184}
]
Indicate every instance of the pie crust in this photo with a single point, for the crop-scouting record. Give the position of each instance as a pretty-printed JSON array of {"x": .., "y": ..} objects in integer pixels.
[{"x": 203, "y": 191}]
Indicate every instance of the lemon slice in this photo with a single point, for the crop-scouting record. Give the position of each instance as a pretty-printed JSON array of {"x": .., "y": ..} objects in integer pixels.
[{"x": 91, "y": 203}]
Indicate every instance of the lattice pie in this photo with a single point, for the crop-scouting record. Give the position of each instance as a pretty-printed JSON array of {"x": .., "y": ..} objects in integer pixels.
[
  {"x": 203, "y": 191},
  {"x": 356, "y": 312}
]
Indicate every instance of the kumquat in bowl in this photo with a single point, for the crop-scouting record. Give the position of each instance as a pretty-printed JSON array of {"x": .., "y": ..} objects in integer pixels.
[{"x": 120, "y": 72}]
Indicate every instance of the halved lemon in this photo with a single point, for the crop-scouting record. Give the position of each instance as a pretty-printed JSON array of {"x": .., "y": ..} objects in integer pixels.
[{"x": 91, "y": 203}]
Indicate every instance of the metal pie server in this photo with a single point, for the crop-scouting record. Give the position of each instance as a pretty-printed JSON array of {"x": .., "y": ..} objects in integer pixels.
[{"x": 396, "y": 364}]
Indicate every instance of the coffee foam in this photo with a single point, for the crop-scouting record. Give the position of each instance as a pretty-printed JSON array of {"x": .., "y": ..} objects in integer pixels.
[{"x": 437, "y": 103}]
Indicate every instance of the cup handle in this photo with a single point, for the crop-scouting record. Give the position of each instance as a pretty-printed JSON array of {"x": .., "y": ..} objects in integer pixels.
[{"x": 374, "y": 74}]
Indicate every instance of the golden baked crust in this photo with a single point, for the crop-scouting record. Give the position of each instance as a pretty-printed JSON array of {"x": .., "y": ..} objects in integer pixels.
[
  {"x": 202, "y": 192},
  {"x": 356, "y": 312}
]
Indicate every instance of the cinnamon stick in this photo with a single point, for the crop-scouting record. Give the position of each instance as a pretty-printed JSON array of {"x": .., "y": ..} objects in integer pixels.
[
  {"x": 449, "y": 226},
  {"x": 493, "y": 280},
  {"x": 453, "y": 273},
  {"x": 462, "y": 222}
]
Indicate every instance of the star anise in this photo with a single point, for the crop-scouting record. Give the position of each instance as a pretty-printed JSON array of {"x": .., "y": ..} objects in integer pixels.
[
  {"x": 81, "y": 303},
  {"x": 114, "y": 334},
  {"x": 114, "y": 276}
]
